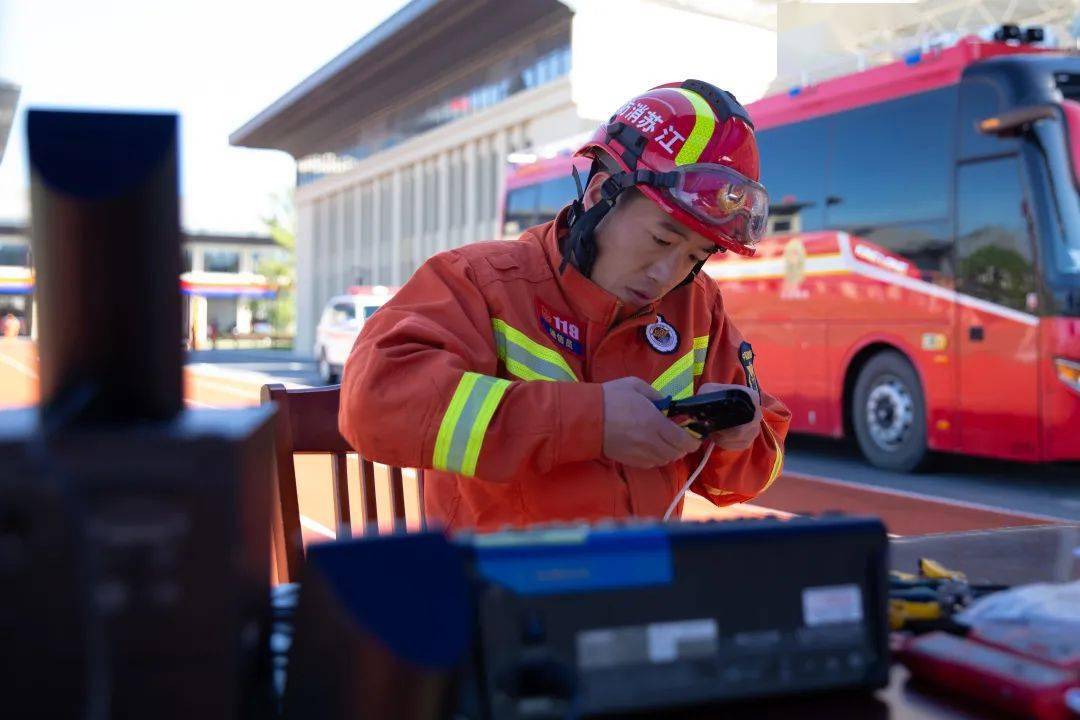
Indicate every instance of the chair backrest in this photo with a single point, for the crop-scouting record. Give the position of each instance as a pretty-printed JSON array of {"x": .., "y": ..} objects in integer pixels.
[{"x": 307, "y": 423}]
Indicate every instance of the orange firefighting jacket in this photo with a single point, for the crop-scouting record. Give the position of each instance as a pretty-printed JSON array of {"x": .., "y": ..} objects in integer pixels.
[{"x": 485, "y": 369}]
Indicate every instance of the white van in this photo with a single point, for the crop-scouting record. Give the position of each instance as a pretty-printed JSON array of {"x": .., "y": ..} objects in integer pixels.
[{"x": 340, "y": 324}]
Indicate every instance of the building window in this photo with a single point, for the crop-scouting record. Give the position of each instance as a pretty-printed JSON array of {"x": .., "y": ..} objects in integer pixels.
[
  {"x": 367, "y": 252},
  {"x": 334, "y": 256},
  {"x": 185, "y": 260},
  {"x": 386, "y": 230},
  {"x": 431, "y": 197},
  {"x": 15, "y": 254},
  {"x": 457, "y": 188},
  {"x": 488, "y": 85},
  {"x": 407, "y": 213},
  {"x": 221, "y": 261},
  {"x": 349, "y": 234}
]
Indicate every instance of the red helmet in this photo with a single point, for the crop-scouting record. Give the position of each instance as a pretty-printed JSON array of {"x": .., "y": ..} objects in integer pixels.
[{"x": 690, "y": 148}]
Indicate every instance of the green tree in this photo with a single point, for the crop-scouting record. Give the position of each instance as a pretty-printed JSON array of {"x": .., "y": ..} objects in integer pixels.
[{"x": 280, "y": 268}]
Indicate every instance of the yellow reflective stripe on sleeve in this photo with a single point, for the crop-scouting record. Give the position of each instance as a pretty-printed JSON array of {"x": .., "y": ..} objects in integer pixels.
[
  {"x": 461, "y": 433},
  {"x": 450, "y": 418},
  {"x": 479, "y": 428},
  {"x": 678, "y": 380},
  {"x": 701, "y": 350},
  {"x": 527, "y": 359},
  {"x": 704, "y": 125},
  {"x": 778, "y": 462}
]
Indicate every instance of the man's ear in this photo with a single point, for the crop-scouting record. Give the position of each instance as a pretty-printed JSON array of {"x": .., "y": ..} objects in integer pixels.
[{"x": 592, "y": 191}]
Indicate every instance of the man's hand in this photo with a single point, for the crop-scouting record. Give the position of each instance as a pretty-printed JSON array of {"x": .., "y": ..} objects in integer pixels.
[
  {"x": 635, "y": 432},
  {"x": 739, "y": 437}
]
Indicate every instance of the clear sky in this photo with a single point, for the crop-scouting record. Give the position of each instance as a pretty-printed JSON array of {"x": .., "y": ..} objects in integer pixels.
[{"x": 216, "y": 62}]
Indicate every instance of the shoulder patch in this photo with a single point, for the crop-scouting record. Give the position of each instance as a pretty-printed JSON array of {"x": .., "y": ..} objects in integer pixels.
[
  {"x": 746, "y": 359},
  {"x": 564, "y": 330}
]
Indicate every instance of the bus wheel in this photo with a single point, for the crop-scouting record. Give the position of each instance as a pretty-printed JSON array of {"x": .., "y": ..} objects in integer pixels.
[{"x": 889, "y": 413}]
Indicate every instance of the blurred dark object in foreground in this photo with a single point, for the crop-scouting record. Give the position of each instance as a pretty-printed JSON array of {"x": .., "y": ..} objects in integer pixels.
[
  {"x": 586, "y": 621},
  {"x": 992, "y": 556},
  {"x": 134, "y": 534},
  {"x": 106, "y": 238},
  {"x": 382, "y": 630}
]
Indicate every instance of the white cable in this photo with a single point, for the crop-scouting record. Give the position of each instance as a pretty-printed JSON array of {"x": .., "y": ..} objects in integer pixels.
[{"x": 693, "y": 477}]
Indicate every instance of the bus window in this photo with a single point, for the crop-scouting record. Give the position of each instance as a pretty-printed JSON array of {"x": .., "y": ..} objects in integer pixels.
[
  {"x": 890, "y": 172},
  {"x": 928, "y": 245},
  {"x": 555, "y": 194},
  {"x": 980, "y": 98},
  {"x": 520, "y": 210},
  {"x": 995, "y": 258},
  {"x": 891, "y": 162},
  {"x": 793, "y": 172}
]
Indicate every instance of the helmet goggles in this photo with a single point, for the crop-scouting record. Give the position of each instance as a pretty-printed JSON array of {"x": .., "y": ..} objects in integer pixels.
[{"x": 724, "y": 200}]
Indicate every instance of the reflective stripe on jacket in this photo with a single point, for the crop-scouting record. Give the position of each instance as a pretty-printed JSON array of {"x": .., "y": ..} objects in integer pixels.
[{"x": 485, "y": 369}]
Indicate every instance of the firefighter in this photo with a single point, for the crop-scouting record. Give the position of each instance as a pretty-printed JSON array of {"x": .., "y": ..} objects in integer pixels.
[{"x": 520, "y": 374}]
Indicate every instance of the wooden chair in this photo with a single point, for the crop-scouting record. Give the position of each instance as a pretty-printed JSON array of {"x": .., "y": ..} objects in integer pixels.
[{"x": 307, "y": 423}]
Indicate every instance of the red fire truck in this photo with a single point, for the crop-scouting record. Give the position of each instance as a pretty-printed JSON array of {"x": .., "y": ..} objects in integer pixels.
[{"x": 920, "y": 285}]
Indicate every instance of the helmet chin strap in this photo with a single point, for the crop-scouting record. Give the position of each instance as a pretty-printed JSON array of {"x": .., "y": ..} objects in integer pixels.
[
  {"x": 579, "y": 247},
  {"x": 693, "y": 274}
]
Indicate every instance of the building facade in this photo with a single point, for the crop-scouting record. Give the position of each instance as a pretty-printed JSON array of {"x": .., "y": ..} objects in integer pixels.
[
  {"x": 220, "y": 282},
  {"x": 402, "y": 142},
  {"x": 16, "y": 282},
  {"x": 222, "y": 285}
]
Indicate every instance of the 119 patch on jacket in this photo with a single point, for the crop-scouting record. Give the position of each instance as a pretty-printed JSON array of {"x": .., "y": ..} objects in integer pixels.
[{"x": 565, "y": 331}]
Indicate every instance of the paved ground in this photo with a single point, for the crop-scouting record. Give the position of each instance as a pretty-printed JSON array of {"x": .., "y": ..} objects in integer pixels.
[
  {"x": 1041, "y": 489},
  {"x": 282, "y": 364},
  {"x": 959, "y": 494}
]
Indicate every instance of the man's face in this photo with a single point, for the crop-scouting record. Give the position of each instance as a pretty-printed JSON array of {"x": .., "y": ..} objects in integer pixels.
[{"x": 643, "y": 253}]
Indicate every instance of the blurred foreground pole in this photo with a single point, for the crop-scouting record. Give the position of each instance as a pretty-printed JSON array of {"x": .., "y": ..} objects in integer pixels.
[
  {"x": 134, "y": 534},
  {"x": 106, "y": 241}
]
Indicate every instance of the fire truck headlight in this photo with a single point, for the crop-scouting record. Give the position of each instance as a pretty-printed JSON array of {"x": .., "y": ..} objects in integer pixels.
[{"x": 1068, "y": 371}]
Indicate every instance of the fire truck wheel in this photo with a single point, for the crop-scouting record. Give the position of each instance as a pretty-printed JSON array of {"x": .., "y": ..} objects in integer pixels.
[{"x": 889, "y": 413}]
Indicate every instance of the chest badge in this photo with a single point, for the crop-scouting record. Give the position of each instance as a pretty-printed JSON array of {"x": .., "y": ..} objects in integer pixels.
[
  {"x": 662, "y": 336},
  {"x": 565, "y": 331}
]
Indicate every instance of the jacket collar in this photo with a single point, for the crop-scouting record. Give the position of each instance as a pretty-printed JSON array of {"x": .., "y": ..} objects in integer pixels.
[{"x": 583, "y": 295}]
